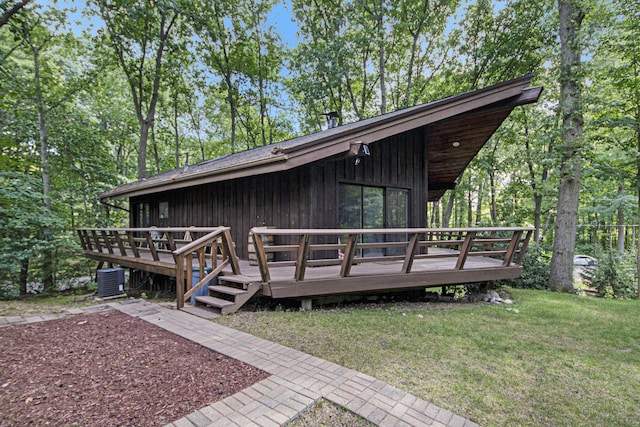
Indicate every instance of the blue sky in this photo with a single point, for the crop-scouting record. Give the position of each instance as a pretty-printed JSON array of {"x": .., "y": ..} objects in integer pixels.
[{"x": 280, "y": 18}]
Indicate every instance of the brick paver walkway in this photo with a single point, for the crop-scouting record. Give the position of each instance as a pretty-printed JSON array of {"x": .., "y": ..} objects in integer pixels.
[{"x": 298, "y": 380}]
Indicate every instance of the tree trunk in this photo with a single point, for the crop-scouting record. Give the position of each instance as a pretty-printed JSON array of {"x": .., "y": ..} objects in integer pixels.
[
  {"x": 449, "y": 209},
  {"x": 537, "y": 218},
  {"x": 479, "y": 205},
  {"x": 176, "y": 130},
  {"x": 142, "y": 148},
  {"x": 620, "y": 222},
  {"x": 382, "y": 60},
  {"x": 494, "y": 208},
  {"x": 24, "y": 275},
  {"x": 469, "y": 205},
  {"x": 47, "y": 261},
  {"x": 561, "y": 276},
  {"x": 156, "y": 153}
]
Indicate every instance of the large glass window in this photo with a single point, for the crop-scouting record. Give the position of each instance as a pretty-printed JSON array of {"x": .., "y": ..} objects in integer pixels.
[{"x": 373, "y": 207}]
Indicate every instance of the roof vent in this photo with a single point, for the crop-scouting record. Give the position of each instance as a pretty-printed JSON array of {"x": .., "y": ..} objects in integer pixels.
[{"x": 332, "y": 119}]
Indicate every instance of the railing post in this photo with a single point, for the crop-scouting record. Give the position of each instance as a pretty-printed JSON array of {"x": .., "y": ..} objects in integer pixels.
[
  {"x": 227, "y": 241},
  {"x": 261, "y": 257},
  {"x": 132, "y": 244},
  {"x": 189, "y": 272},
  {"x": 349, "y": 254},
  {"x": 96, "y": 240},
  {"x": 519, "y": 255},
  {"x": 171, "y": 245},
  {"x": 152, "y": 246},
  {"x": 511, "y": 249},
  {"x": 107, "y": 241},
  {"x": 410, "y": 253},
  {"x": 464, "y": 250},
  {"x": 180, "y": 281},
  {"x": 116, "y": 237},
  {"x": 303, "y": 255},
  {"x": 82, "y": 242}
]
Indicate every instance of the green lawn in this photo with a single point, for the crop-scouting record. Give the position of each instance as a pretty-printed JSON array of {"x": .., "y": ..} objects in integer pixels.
[
  {"x": 35, "y": 304},
  {"x": 549, "y": 359}
]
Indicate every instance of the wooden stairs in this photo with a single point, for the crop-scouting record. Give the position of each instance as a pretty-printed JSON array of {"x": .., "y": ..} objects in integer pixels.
[{"x": 231, "y": 293}]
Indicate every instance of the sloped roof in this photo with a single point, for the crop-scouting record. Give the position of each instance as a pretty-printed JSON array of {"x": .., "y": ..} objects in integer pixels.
[{"x": 468, "y": 119}]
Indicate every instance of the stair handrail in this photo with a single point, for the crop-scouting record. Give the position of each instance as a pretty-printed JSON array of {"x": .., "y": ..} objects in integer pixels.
[{"x": 219, "y": 239}]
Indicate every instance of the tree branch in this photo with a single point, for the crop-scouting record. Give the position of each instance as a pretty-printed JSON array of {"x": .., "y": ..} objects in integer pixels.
[{"x": 17, "y": 7}]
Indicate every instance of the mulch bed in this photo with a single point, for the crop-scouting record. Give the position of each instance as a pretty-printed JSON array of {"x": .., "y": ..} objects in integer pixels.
[{"x": 109, "y": 369}]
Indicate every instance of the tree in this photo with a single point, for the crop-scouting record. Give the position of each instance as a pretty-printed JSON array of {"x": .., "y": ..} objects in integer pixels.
[
  {"x": 571, "y": 16},
  {"x": 37, "y": 39},
  {"x": 140, "y": 34},
  {"x": 39, "y": 96}
]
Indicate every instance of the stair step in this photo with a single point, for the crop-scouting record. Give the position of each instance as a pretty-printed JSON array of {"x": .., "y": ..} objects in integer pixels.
[
  {"x": 238, "y": 278},
  {"x": 214, "y": 302},
  {"x": 227, "y": 290},
  {"x": 200, "y": 312}
]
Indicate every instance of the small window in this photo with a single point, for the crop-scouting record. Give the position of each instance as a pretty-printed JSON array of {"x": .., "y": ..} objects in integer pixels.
[
  {"x": 143, "y": 215},
  {"x": 163, "y": 208}
]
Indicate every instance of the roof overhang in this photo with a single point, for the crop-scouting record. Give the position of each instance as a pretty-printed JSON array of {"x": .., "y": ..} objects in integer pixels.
[{"x": 336, "y": 141}]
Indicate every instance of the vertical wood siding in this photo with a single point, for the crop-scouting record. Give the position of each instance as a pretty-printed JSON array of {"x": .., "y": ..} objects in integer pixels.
[{"x": 304, "y": 197}]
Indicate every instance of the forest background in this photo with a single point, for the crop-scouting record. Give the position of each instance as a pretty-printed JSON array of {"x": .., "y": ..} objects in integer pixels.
[{"x": 102, "y": 93}]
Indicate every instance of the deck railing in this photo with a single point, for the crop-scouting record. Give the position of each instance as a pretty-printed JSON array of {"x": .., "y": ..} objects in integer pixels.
[
  {"x": 172, "y": 251},
  {"x": 356, "y": 246},
  {"x": 222, "y": 243}
]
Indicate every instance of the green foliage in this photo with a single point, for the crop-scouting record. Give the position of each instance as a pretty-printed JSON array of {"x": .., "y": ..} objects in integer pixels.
[
  {"x": 614, "y": 276},
  {"x": 22, "y": 219},
  {"x": 535, "y": 270}
]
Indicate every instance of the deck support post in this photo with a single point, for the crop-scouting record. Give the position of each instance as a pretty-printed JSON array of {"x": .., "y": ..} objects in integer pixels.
[{"x": 306, "y": 304}]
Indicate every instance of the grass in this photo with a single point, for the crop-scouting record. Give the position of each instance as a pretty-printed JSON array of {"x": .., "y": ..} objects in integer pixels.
[
  {"x": 550, "y": 359},
  {"x": 35, "y": 304}
]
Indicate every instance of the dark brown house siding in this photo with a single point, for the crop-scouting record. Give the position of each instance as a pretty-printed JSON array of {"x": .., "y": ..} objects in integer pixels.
[{"x": 303, "y": 197}]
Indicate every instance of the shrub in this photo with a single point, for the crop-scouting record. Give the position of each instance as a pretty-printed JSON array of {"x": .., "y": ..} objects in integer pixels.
[
  {"x": 615, "y": 276},
  {"x": 535, "y": 270}
]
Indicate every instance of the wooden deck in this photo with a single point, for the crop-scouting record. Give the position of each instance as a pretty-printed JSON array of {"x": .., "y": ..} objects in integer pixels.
[
  {"x": 380, "y": 276},
  {"x": 327, "y": 261},
  {"x": 385, "y": 259}
]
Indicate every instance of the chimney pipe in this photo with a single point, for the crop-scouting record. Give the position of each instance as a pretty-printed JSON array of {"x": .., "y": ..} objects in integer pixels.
[{"x": 332, "y": 119}]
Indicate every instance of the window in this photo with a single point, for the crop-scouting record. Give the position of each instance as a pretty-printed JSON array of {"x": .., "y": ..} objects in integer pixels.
[
  {"x": 143, "y": 215},
  {"x": 163, "y": 210},
  {"x": 374, "y": 207}
]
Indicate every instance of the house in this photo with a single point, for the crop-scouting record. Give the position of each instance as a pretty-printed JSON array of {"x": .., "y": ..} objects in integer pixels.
[
  {"x": 375, "y": 173},
  {"x": 378, "y": 173}
]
